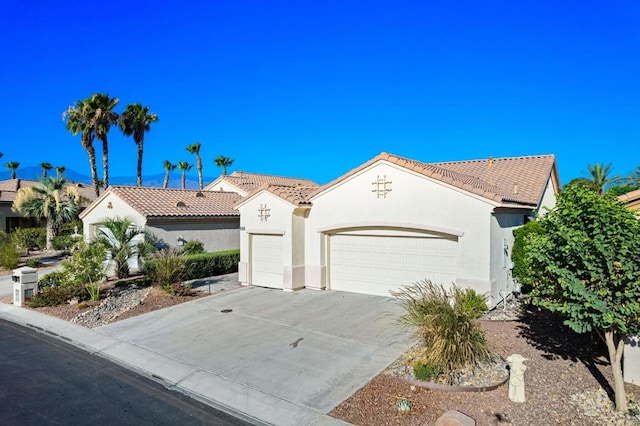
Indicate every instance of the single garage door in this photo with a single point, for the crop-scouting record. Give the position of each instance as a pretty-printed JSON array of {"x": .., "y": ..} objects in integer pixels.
[
  {"x": 375, "y": 265},
  {"x": 266, "y": 260}
]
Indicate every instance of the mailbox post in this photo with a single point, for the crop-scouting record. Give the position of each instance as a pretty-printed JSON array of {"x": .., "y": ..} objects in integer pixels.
[{"x": 25, "y": 284}]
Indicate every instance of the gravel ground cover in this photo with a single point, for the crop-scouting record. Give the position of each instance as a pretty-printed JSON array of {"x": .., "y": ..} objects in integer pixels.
[{"x": 567, "y": 383}]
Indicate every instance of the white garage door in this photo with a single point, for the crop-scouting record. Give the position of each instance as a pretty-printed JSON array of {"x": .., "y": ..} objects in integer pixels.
[
  {"x": 266, "y": 260},
  {"x": 378, "y": 264}
]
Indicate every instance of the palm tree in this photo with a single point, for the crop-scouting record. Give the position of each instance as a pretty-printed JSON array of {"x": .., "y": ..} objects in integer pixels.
[
  {"x": 13, "y": 166},
  {"x": 136, "y": 120},
  {"x": 60, "y": 170},
  {"x": 45, "y": 168},
  {"x": 118, "y": 234},
  {"x": 167, "y": 168},
  {"x": 79, "y": 119},
  {"x": 183, "y": 166},
  {"x": 103, "y": 117},
  {"x": 599, "y": 177},
  {"x": 194, "y": 148},
  {"x": 52, "y": 200},
  {"x": 224, "y": 162}
]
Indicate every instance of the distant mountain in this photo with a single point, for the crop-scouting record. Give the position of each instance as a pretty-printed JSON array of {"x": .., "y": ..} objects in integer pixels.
[{"x": 156, "y": 180}]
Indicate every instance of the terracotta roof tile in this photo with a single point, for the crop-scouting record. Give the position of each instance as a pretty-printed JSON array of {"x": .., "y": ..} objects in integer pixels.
[
  {"x": 630, "y": 196},
  {"x": 515, "y": 180},
  {"x": 9, "y": 188},
  {"x": 249, "y": 182},
  {"x": 159, "y": 202}
]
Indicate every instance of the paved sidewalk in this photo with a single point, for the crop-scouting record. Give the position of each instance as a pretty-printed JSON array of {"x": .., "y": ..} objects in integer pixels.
[{"x": 276, "y": 358}]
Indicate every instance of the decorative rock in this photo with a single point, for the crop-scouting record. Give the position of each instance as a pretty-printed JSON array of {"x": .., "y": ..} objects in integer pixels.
[
  {"x": 455, "y": 418},
  {"x": 119, "y": 301}
]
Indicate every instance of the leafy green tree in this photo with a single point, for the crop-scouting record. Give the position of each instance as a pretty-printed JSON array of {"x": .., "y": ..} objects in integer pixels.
[
  {"x": 168, "y": 167},
  {"x": 224, "y": 162},
  {"x": 52, "y": 200},
  {"x": 118, "y": 235},
  {"x": 45, "y": 168},
  {"x": 12, "y": 166},
  {"x": 618, "y": 190},
  {"x": 195, "y": 149},
  {"x": 79, "y": 119},
  {"x": 136, "y": 120},
  {"x": 586, "y": 266},
  {"x": 519, "y": 251},
  {"x": 184, "y": 167}
]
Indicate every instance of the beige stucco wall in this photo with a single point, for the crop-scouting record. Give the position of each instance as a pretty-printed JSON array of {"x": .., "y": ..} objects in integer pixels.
[
  {"x": 283, "y": 220},
  {"x": 548, "y": 200},
  {"x": 632, "y": 360},
  {"x": 503, "y": 223},
  {"x": 111, "y": 206},
  {"x": 215, "y": 234},
  {"x": 414, "y": 201},
  {"x": 221, "y": 185}
]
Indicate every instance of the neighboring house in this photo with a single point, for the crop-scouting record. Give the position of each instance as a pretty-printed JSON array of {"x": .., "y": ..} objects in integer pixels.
[
  {"x": 10, "y": 220},
  {"x": 393, "y": 221},
  {"x": 631, "y": 199},
  {"x": 177, "y": 216},
  {"x": 243, "y": 183},
  {"x": 174, "y": 216}
]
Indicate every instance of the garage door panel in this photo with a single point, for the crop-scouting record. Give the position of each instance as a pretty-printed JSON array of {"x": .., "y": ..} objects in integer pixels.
[
  {"x": 266, "y": 260},
  {"x": 378, "y": 264}
]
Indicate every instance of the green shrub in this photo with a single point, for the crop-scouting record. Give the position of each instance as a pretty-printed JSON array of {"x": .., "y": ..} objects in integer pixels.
[
  {"x": 86, "y": 264},
  {"x": 53, "y": 296},
  {"x": 426, "y": 372},
  {"x": 521, "y": 270},
  {"x": 70, "y": 227},
  {"x": 27, "y": 238},
  {"x": 193, "y": 247},
  {"x": 42, "y": 240},
  {"x": 54, "y": 279},
  {"x": 211, "y": 264},
  {"x": 9, "y": 255},
  {"x": 165, "y": 267},
  {"x": 451, "y": 338},
  {"x": 62, "y": 242},
  {"x": 469, "y": 302},
  {"x": 33, "y": 263}
]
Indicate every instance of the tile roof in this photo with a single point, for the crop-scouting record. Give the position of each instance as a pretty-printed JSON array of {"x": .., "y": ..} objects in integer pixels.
[
  {"x": 630, "y": 197},
  {"x": 9, "y": 188},
  {"x": 175, "y": 203},
  {"x": 297, "y": 195},
  {"x": 251, "y": 181},
  {"x": 515, "y": 180}
]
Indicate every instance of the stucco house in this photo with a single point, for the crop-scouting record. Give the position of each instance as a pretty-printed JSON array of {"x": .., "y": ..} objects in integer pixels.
[
  {"x": 243, "y": 183},
  {"x": 10, "y": 220},
  {"x": 176, "y": 216},
  {"x": 393, "y": 221}
]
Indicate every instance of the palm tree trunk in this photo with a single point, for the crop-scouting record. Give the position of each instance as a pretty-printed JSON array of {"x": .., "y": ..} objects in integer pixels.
[
  {"x": 13, "y": 174},
  {"x": 50, "y": 233},
  {"x": 94, "y": 169},
  {"x": 184, "y": 179},
  {"x": 140, "y": 163},
  {"x": 166, "y": 180},
  {"x": 199, "y": 170},
  {"x": 105, "y": 163}
]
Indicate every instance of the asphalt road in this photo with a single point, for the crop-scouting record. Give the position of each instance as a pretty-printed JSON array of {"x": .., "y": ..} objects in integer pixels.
[{"x": 44, "y": 381}]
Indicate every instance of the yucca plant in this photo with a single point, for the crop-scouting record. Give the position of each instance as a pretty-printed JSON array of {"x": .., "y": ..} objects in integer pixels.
[{"x": 452, "y": 339}]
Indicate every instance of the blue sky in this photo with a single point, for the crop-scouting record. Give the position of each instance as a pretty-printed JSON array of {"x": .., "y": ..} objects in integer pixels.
[{"x": 315, "y": 88}]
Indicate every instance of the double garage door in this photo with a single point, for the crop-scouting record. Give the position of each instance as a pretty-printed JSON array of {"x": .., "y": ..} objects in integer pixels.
[{"x": 378, "y": 264}]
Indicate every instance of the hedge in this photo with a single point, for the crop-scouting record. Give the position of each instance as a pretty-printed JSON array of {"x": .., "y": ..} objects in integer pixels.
[{"x": 204, "y": 265}]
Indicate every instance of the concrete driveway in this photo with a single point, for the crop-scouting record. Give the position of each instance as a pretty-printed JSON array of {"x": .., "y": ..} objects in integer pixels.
[{"x": 307, "y": 349}]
